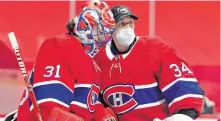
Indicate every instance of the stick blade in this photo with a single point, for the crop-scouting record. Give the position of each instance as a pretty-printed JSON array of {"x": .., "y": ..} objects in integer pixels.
[{"x": 13, "y": 40}]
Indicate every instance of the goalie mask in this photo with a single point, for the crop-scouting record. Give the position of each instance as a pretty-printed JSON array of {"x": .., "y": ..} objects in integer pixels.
[{"x": 94, "y": 26}]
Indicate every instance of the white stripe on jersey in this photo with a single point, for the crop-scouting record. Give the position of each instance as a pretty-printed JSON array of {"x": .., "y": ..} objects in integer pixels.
[
  {"x": 185, "y": 96},
  {"x": 179, "y": 79},
  {"x": 79, "y": 104},
  {"x": 151, "y": 104},
  {"x": 51, "y": 82},
  {"x": 146, "y": 86},
  {"x": 82, "y": 85},
  {"x": 141, "y": 86}
]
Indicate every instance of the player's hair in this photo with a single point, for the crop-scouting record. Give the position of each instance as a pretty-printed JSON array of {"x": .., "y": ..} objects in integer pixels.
[{"x": 70, "y": 27}]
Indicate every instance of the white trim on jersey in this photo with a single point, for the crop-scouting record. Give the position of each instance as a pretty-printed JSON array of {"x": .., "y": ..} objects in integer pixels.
[
  {"x": 51, "y": 82},
  {"x": 108, "y": 51},
  {"x": 179, "y": 79},
  {"x": 79, "y": 104},
  {"x": 145, "y": 86},
  {"x": 82, "y": 85},
  {"x": 50, "y": 100},
  {"x": 185, "y": 96},
  {"x": 151, "y": 104},
  {"x": 110, "y": 54}
]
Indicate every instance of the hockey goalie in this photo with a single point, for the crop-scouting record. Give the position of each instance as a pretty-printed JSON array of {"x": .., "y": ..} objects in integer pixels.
[{"x": 65, "y": 79}]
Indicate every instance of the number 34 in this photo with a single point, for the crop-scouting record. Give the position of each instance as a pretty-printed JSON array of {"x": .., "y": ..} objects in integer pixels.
[{"x": 178, "y": 71}]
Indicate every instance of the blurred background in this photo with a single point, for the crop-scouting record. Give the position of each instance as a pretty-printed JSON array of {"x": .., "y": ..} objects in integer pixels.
[{"x": 193, "y": 28}]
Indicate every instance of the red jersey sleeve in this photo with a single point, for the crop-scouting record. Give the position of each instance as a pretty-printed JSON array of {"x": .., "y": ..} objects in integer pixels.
[
  {"x": 63, "y": 78},
  {"x": 53, "y": 85},
  {"x": 82, "y": 70},
  {"x": 178, "y": 83}
]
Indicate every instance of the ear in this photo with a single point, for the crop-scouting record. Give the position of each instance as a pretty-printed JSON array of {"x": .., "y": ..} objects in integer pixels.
[{"x": 114, "y": 35}]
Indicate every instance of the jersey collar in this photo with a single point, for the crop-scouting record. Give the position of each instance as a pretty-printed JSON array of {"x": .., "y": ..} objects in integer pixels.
[{"x": 110, "y": 55}]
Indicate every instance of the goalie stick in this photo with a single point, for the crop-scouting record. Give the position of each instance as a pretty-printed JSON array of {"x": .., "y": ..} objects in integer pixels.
[{"x": 21, "y": 64}]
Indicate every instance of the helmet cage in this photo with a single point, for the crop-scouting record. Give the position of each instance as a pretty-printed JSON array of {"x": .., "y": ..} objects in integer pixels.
[{"x": 87, "y": 28}]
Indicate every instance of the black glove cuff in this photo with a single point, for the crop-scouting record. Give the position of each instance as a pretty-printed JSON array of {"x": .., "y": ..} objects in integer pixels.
[{"x": 189, "y": 112}]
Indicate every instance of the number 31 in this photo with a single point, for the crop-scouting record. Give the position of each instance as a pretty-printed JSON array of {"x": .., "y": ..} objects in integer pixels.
[{"x": 50, "y": 70}]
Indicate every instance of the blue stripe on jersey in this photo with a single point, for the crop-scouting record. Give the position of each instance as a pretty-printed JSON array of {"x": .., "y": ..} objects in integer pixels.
[
  {"x": 29, "y": 102},
  {"x": 55, "y": 91},
  {"x": 80, "y": 94},
  {"x": 181, "y": 88},
  {"x": 31, "y": 77},
  {"x": 148, "y": 95},
  {"x": 142, "y": 96},
  {"x": 100, "y": 98}
]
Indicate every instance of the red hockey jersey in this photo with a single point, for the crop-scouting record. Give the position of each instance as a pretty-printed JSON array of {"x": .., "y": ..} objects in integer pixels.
[
  {"x": 150, "y": 81},
  {"x": 63, "y": 78}
]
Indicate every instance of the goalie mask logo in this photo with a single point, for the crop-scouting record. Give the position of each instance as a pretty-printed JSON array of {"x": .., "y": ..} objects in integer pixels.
[{"x": 107, "y": 15}]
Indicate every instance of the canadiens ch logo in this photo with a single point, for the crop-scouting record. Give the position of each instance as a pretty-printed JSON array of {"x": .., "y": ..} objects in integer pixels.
[
  {"x": 93, "y": 97},
  {"x": 120, "y": 98}
]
